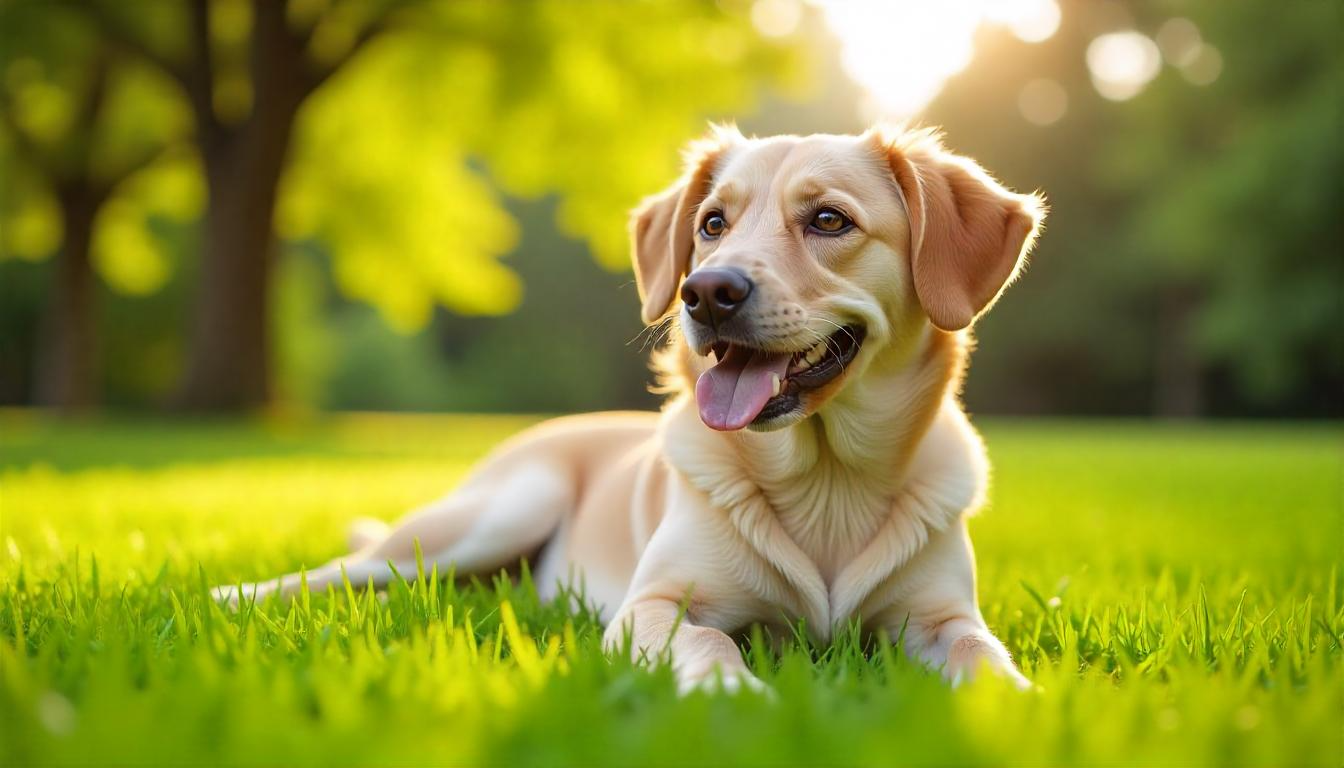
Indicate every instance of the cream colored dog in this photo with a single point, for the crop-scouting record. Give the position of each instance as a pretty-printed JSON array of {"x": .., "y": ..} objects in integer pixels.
[{"x": 812, "y": 461}]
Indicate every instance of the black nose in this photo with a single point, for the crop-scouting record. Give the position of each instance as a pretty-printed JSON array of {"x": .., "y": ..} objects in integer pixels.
[{"x": 714, "y": 295}]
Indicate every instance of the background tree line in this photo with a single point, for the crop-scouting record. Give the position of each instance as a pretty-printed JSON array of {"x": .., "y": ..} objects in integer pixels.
[{"x": 216, "y": 204}]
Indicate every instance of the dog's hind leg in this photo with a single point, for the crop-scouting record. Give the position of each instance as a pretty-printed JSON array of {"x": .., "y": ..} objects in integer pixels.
[
  {"x": 506, "y": 512},
  {"x": 366, "y": 531}
]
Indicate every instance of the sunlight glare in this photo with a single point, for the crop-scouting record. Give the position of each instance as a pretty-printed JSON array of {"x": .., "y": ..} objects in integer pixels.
[
  {"x": 1032, "y": 21},
  {"x": 902, "y": 52}
]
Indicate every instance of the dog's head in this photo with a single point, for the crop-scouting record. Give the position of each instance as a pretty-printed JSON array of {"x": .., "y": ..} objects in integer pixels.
[{"x": 797, "y": 261}]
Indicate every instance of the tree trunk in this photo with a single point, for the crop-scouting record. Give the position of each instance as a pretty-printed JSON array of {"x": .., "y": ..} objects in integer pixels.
[
  {"x": 67, "y": 362},
  {"x": 228, "y": 366},
  {"x": 1178, "y": 386},
  {"x": 229, "y": 358}
]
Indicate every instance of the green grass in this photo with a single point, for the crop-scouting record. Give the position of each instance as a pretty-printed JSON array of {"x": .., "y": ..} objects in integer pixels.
[{"x": 1173, "y": 590}]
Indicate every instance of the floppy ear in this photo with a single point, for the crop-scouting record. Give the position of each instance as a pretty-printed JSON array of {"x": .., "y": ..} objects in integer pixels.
[
  {"x": 968, "y": 235},
  {"x": 662, "y": 230}
]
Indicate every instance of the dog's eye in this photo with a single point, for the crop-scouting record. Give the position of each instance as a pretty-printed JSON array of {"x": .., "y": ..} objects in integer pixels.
[
  {"x": 829, "y": 221},
  {"x": 713, "y": 225}
]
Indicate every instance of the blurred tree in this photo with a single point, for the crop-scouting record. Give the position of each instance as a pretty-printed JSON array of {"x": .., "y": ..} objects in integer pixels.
[
  {"x": 369, "y": 125},
  {"x": 1236, "y": 225},
  {"x": 244, "y": 69},
  {"x": 78, "y": 146},
  {"x": 1190, "y": 263}
]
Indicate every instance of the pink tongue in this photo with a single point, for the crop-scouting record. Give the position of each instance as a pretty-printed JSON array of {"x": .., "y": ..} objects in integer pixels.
[{"x": 733, "y": 392}]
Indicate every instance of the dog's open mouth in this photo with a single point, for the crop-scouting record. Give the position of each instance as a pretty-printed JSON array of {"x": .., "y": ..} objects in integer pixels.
[{"x": 754, "y": 386}]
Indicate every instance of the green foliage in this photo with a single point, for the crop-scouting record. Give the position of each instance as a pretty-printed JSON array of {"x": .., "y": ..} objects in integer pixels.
[
  {"x": 1243, "y": 207},
  {"x": 399, "y": 156},
  {"x": 1173, "y": 591},
  {"x": 425, "y": 114},
  {"x": 1191, "y": 247},
  {"x": 574, "y": 343},
  {"x": 74, "y": 110}
]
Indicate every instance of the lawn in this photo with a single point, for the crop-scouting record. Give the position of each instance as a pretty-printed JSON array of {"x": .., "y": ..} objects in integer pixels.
[{"x": 1172, "y": 589}]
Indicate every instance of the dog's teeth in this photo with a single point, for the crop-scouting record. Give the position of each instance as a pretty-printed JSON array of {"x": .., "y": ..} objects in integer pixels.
[
  {"x": 775, "y": 384},
  {"x": 810, "y": 357}
]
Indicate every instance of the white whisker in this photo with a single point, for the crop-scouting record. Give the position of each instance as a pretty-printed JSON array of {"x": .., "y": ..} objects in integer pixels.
[{"x": 834, "y": 346}]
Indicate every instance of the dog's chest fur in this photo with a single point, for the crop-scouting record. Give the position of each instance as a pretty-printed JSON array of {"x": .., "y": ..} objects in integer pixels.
[
  {"x": 829, "y": 505},
  {"x": 831, "y": 512}
]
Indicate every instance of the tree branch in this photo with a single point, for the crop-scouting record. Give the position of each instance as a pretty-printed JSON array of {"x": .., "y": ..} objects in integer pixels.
[
  {"x": 113, "y": 26},
  {"x": 276, "y": 60},
  {"x": 87, "y": 119},
  {"x": 199, "y": 79},
  {"x": 319, "y": 74},
  {"x": 140, "y": 163},
  {"x": 70, "y": 163},
  {"x": 196, "y": 77}
]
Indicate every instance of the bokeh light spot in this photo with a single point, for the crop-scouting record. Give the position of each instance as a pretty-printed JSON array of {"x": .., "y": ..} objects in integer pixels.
[
  {"x": 1205, "y": 68},
  {"x": 1179, "y": 41},
  {"x": 1043, "y": 102},
  {"x": 776, "y": 18},
  {"x": 1122, "y": 63}
]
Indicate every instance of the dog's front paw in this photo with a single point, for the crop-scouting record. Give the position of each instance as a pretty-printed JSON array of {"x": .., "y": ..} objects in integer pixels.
[
  {"x": 970, "y": 654},
  {"x": 730, "y": 683},
  {"x": 226, "y": 595}
]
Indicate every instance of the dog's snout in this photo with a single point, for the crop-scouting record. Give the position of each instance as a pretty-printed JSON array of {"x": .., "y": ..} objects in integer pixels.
[{"x": 714, "y": 295}]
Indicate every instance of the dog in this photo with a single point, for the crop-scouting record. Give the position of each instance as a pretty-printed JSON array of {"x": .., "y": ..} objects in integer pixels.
[{"x": 812, "y": 461}]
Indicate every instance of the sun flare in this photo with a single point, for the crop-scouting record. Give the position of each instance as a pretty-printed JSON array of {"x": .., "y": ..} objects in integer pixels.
[{"x": 903, "y": 51}]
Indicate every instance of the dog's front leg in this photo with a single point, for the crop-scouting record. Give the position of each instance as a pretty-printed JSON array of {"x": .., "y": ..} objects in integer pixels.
[
  {"x": 964, "y": 647},
  {"x": 940, "y": 618},
  {"x": 658, "y": 632},
  {"x": 686, "y": 594}
]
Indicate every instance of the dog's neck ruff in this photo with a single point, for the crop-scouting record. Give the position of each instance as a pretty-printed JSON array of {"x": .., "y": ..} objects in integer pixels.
[
  {"x": 868, "y": 431},
  {"x": 823, "y": 495}
]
